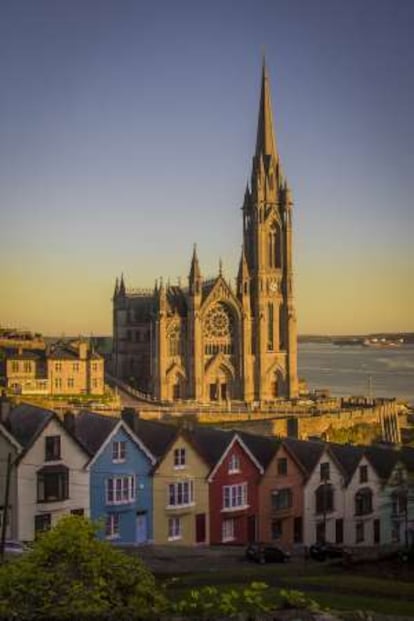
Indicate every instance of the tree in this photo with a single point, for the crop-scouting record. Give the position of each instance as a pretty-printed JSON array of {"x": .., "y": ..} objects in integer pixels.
[{"x": 70, "y": 574}]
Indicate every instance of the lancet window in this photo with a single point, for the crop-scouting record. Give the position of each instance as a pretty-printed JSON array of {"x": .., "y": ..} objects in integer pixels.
[
  {"x": 174, "y": 341},
  {"x": 274, "y": 246}
]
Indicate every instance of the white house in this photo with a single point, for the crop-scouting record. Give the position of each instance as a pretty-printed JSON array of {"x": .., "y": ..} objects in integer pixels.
[{"x": 51, "y": 479}]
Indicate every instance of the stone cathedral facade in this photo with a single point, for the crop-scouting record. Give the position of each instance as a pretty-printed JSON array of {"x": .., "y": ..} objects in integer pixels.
[{"x": 208, "y": 342}]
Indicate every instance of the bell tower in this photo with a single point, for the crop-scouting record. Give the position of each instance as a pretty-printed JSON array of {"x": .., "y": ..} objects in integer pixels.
[{"x": 267, "y": 237}]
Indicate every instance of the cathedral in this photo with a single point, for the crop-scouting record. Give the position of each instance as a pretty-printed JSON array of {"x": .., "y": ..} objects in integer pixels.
[{"x": 209, "y": 342}]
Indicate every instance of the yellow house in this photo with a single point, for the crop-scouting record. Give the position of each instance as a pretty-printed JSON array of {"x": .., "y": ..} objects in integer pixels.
[{"x": 181, "y": 495}]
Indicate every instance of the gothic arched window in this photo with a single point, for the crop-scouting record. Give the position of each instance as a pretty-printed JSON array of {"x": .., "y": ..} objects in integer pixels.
[
  {"x": 174, "y": 341},
  {"x": 274, "y": 244},
  {"x": 270, "y": 329}
]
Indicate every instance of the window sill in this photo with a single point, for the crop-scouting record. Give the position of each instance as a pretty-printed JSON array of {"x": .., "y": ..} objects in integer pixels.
[
  {"x": 183, "y": 506},
  {"x": 236, "y": 508},
  {"x": 118, "y": 461},
  {"x": 228, "y": 539},
  {"x": 180, "y": 467},
  {"x": 175, "y": 538},
  {"x": 116, "y": 503},
  {"x": 234, "y": 471}
]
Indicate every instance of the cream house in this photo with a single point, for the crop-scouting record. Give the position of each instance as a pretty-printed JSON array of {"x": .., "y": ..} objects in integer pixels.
[{"x": 49, "y": 472}]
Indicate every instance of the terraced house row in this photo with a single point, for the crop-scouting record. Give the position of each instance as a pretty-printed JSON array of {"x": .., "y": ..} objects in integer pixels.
[{"x": 147, "y": 481}]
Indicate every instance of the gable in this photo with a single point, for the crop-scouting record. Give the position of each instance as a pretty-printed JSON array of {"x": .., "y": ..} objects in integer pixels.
[
  {"x": 194, "y": 465},
  {"x": 122, "y": 432},
  {"x": 248, "y": 463}
]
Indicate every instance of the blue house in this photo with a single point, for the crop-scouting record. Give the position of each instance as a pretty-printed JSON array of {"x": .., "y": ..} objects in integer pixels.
[
  {"x": 124, "y": 451},
  {"x": 120, "y": 482}
]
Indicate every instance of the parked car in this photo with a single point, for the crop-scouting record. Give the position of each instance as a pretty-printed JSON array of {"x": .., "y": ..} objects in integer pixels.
[
  {"x": 263, "y": 553},
  {"x": 322, "y": 551},
  {"x": 14, "y": 547},
  {"x": 406, "y": 555}
]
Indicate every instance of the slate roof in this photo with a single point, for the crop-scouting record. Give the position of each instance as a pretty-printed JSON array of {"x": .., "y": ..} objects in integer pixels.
[
  {"x": 92, "y": 429},
  {"x": 156, "y": 436},
  {"x": 307, "y": 452},
  {"x": 25, "y": 422},
  {"x": 262, "y": 447},
  {"x": 347, "y": 456},
  {"x": 383, "y": 459},
  {"x": 63, "y": 352},
  {"x": 26, "y": 354},
  {"x": 210, "y": 442}
]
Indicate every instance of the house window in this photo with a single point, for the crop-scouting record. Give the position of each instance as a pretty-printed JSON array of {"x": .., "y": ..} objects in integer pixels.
[
  {"x": 118, "y": 451},
  {"x": 324, "y": 499},
  {"x": 277, "y": 529},
  {"x": 324, "y": 470},
  {"x": 112, "y": 525},
  {"x": 58, "y": 383},
  {"x": 234, "y": 464},
  {"x": 395, "y": 532},
  {"x": 235, "y": 496},
  {"x": 359, "y": 532},
  {"x": 363, "y": 474},
  {"x": 179, "y": 458},
  {"x": 80, "y": 512},
  {"x": 75, "y": 367},
  {"x": 52, "y": 448},
  {"x": 15, "y": 366},
  {"x": 43, "y": 522},
  {"x": 399, "y": 503},
  {"x": 27, "y": 367},
  {"x": 282, "y": 499},
  {"x": 339, "y": 531},
  {"x": 282, "y": 466},
  {"x": 174, "y": 528},
  {"x": 120, "y": 490},
  {"x": 363, "y": 501},
  {"x": 180, "y": 493},
  {"x": 71, "y": 382},
  {"x": 58, "y": 366},
  {"x": 227, "y": 531},
  {"x": 52, "y": 484}
]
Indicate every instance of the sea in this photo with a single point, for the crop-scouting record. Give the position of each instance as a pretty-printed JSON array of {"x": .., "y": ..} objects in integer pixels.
[{"x": 347, "y": 370}]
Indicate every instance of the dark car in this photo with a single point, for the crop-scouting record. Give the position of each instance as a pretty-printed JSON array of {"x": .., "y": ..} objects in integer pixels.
[
  {"x": 406, "y": 555},
  {"x": 323, "y": 551},
  {"x": 263, "y": 553}
]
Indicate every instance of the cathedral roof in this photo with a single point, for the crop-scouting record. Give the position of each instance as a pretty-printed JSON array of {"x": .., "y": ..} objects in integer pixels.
[{"x": 176, "y": 300}]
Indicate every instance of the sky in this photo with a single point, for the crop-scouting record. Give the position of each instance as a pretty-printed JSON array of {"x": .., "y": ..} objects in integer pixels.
[{"x": 127, "y": 130}]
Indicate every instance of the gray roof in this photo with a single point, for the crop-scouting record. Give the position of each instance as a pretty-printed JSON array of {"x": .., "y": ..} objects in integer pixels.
[
  {"x": 26, "y": 421},
  {"x": 306, "y": 452},
  {"x": 383, "y": 459},
  {"x": 210, "y": 442},
  {"x": 262, "y": 447},
  {"x": 92, "y": 429},
  {"x": 347, "y": 456}
]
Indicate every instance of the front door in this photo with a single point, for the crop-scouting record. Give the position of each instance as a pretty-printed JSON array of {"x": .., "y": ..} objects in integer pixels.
[
  {"x": 200, "y": 527},
  {"x": 141, "y": 528}
]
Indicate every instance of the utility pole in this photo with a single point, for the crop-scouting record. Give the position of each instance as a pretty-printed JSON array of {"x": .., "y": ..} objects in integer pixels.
[{"x": 5, "y": 507}]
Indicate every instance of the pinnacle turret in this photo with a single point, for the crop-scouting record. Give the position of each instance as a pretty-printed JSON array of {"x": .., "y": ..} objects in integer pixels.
[{"x": 122, "y": 289}]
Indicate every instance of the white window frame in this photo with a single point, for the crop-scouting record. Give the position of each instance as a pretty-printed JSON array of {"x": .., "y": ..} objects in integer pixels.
[
  {"x": 234, "y": 464},
  {"x": 180, "y": 494},
  {"x": 175, "y": 528},
  {"x": 120, "y": 490},
  {"x": 112, "y": 521},
  {"x": 235, "y": 497},
  {"x": 227, "y": 530},
  {"x": 180, "y": 458},
  {"x": 118, "y": 451}
]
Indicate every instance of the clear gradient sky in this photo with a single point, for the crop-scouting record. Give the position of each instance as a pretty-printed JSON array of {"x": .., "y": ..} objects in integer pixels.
[{"x": 126, "y": 134}]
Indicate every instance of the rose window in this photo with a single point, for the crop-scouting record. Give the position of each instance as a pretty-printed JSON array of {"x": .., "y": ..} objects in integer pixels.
[{"x": 218, "y": 322}]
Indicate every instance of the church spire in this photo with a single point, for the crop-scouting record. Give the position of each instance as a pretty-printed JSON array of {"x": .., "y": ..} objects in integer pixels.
[
  {"x": 265, "y": 141},
  {"x": 122, "y": 290},
  {"x": 194, "y": 277}
]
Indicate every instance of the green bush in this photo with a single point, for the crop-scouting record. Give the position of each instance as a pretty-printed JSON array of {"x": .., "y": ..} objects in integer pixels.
[
  {"x": 70, "y": 574},
  {"x": 297, "y": 599}
]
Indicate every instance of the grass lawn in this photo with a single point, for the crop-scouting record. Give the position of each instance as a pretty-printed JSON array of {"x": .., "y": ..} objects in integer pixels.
[{"x": 329, "y": 585}]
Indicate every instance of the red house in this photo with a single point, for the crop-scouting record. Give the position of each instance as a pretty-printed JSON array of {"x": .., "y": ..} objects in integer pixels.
[{"x": 233, "y": 492}]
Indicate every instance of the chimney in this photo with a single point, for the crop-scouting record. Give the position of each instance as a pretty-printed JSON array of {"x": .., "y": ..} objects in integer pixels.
[
  {"x": 69, "y": 422},
  {"x": 5, "y": 407},
  {"x": 83, "y": 350},
  {"x": 130, "y": 417}
]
